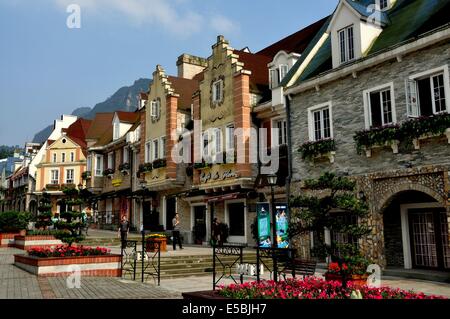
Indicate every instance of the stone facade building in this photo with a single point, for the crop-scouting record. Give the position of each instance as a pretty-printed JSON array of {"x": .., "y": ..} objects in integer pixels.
[{"x": 344, "y": 90}]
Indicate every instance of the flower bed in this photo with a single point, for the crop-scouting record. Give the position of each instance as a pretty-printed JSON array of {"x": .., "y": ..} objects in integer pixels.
[
  {"x": 64, "y": 260},
  {"x": 7, "y": 239},
  {"x": 35, "y": 241},
  {"x": 313, "y": 288}
]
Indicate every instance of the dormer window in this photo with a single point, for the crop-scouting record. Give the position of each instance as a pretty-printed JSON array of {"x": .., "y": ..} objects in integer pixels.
[
  {"x": 155, "y": 110},
  {"x": 384, "y": 4},
  {"x": 277, "y": 75},
  {"x": 346, "y": 44},
  {"x": 116, "y": 129}
]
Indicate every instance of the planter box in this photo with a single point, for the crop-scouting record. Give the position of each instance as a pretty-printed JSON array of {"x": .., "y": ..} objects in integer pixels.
[
  {"x": 150, "y": 244},
  {"x": 29, "y": 242},
  {"x": 203, "y": 295},
  {"x": 91, "y": 266},
  {"x": 416, "y": 141},
  {"x": 7, "y": 239},
  {"x": 357, "y": 280}
]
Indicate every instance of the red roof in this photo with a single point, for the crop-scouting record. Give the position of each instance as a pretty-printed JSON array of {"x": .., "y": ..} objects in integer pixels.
[
  {"x": 257, "y": 64},
  {"x": 296, "y": 42},
  {"x": 185, "y": 88},
  {"x": 78, "y": 130},
  {"x": 100, "y": 124},
  {"x": 127, "y": 117}
]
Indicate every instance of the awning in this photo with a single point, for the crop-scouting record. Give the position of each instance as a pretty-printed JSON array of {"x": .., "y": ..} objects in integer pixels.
[{"x": 222, "y": 198}]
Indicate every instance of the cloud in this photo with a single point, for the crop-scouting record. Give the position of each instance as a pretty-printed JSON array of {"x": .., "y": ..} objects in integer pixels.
[{"x": 173, "y": 15}]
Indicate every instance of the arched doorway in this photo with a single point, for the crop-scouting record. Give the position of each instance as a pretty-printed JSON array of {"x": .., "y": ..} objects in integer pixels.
[
  {"x": 33, "y": 207},
  {"x": 416, "y": 233}
]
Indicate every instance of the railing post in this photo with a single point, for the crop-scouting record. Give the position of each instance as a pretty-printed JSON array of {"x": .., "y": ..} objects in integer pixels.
[
  {"x": 241, "y": 262},
  {"x": 214, "y": 266},
  {"x": 275, "y": 265},
  {"x": 142, "y": 256},
  {"x": 258, "y": 267},
  {"x": 159, "y": 263}
]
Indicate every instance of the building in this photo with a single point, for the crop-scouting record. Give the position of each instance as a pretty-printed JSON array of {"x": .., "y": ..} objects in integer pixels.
[
  {"x": 62, "y": 164},
  {"x": 372, "y": 93},
  {"x": 111, "y": 163}
]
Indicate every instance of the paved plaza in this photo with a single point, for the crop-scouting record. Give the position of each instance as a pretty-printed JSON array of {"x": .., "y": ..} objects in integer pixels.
[{"x": 18, "y": 284}]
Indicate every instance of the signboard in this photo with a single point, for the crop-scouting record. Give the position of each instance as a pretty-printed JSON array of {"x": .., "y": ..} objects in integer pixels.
[
  {"x": 282, "y": 226},
  {"x": 263, "y": 219}
]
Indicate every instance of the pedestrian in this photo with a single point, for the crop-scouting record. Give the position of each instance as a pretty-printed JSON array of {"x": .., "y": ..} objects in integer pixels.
[
  {"x": 124, "y": 228},
  {"x": 176, "y": 232},
  {"x": 216, "y": 232}
]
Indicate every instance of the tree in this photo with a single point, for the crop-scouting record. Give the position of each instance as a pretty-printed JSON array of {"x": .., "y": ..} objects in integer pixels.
[
  {"x": 70, "y": 224},
  {"x": 316, "y": 212},
  {"x": 44, "y": 218}
]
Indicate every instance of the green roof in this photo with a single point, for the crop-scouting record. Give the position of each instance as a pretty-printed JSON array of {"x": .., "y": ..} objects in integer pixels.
[{"x": 407, "y": 20}]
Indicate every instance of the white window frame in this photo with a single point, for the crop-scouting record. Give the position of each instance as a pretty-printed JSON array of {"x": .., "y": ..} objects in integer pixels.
[
  {"x": 280, "y": 75},
  {"x": 218, "y": 83},
  {"x": 98, "y": 168},
  {"x": 367, "y": 107},
  {"x": 89, "y": 163},
  {"x": 275, "y": 122},
  {"x": 311, "y": 111},
  {"x": 230, "y": 140},
  {"x": 162, "y": 147},
  {"x": 125, "y": 155},
  {"x": 387, "y": 7},
  {"x": 155, "y": 108},
  {"x": 72, "y": 157},
  {"x": 237, "y": 239},
  {"x": 116, "y": 130},
  {"x": 67, "y": 176},
  {"x": 155, "y": 148},
  {"x": 63, "y": 157},
  {"x": 418, "y": 76},
  {"x": 55, "y": 157},
  {"x": 54, "y": 177},
  {"x": 111, "y": 160},
  {"x": 347, "y": 50},
  {"x": 148, "y": 151}
]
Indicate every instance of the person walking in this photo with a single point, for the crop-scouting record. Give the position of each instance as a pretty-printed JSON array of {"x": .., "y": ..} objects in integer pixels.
[
  {"x": 216, "y": 232},
  {"x": 176, "y": 232},
  {"x": 124, "y": 228}
]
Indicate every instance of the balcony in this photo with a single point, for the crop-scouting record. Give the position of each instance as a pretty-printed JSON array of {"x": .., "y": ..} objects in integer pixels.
[{"x": 53, "y": 187}]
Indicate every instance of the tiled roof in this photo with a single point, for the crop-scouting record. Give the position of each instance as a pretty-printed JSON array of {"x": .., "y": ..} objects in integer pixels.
[
  {"x": 407, "y": 20},
  {"x": 127, "y": 117},
  {"x": 99, "y": 125},
  {"x": 78, "y": 130},
  {"x": 257, "y": 64},
  {"x": 296, "y": 42},
  {"x": 185, "y": 88}
]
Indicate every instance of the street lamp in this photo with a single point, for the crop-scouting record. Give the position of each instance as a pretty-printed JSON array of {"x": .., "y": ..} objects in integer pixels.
[
  {"x": 272, "y": 181},
  {"x": 143, "y": 185}
]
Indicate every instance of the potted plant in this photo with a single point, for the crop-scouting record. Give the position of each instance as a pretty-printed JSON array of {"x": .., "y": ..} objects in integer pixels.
[
  {"x": 152, "y": 240},
  {"x": 109, "y": 172},
  {"x": 124, "y": 168},
  {"x": 349, "y": 269},
  {"x": 159, "y": 163}
]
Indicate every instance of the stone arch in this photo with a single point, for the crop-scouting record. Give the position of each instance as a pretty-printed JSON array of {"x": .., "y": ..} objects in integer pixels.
[{"x": 387, "y": 198}]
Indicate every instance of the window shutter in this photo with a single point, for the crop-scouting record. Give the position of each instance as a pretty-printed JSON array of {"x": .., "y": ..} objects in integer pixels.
[{"x": 412, "y": 104}]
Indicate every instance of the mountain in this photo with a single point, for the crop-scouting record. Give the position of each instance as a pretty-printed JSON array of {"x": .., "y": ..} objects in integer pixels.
[{"x": 124, "y": 99}]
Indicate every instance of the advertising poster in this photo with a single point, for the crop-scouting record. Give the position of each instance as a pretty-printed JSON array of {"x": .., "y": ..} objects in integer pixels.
[
  {"x": 282, "y": 226},
  {"x": 263, "y": 210}
]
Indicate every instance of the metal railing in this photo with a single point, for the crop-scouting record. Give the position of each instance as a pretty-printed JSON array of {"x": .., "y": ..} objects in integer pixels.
[{"x": 227, "y": 267}]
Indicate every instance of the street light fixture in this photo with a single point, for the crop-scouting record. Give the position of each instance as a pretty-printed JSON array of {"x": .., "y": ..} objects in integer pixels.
[{"x": 272, "y": 181}]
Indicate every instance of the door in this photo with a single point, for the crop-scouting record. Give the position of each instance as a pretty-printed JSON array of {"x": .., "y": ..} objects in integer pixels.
[
  {"x": 199, "y": 224},
  {"x": 236, "y": 219},
  {"x": 429, "y": 239},
  {"x": 151, "y": 218},
  {"x": 171, "y": 204}
]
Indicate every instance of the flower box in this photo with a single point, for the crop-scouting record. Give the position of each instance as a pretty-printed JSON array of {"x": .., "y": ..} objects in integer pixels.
[
  {"x": 319, "y": 149},
  {"x": 152, "y": 246},
  {"x": 7, "y": 239},
  {"x": 377, "y": 137},
  {"x": 34, "y": 241},
  {"x": 91, "y": 266},
  {"x": 392, "y": 144},
  {"x": 416, "y": 141}
]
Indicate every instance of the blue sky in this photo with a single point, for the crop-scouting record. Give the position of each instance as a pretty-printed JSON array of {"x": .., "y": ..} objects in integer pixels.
[{"x": 47, "y": 69}]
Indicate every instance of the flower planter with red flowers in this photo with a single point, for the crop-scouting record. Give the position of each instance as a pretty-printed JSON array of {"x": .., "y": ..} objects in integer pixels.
[
  {"x": 358, "y": 281},
  {"x": 35, "y": 241},
  {"x": 7, "y": 239},
  {"x": 64, "y": 261}
]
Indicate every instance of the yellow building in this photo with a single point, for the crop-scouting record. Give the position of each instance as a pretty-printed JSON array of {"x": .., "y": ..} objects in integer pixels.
[{"x": 63, "y": 163}]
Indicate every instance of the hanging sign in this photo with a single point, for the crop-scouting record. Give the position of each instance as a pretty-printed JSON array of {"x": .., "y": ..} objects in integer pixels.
[
  {"x": 282, "y": 226},
  {"x": 263, "y": 220}
]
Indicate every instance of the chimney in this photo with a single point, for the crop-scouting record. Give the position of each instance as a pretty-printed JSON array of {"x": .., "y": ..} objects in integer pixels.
[{"x": 189, "y": 66}]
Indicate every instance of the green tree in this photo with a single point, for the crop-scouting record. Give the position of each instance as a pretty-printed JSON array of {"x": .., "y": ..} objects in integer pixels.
[
  {"x": 316, "y": 211},
  {"x": 71, "y": 223},
  {"x": 44, "y": 217}
]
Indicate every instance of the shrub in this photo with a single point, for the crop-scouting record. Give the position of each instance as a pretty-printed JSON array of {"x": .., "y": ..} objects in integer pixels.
[
  {"x": 376, "y": 137},
  {"x": 14, "y": 221},
  {"x": 310, "y": 150}
]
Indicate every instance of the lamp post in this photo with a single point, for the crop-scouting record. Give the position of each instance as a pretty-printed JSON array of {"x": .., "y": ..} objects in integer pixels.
[{"x": 272, "y": 180}]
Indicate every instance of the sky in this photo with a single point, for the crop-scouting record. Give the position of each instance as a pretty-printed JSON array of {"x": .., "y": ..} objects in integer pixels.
[{"x": 48, "y": 69}]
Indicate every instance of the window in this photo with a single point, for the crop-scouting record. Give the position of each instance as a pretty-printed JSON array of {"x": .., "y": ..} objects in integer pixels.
[
  {"x": 346, "y": 44},
  {"x": 63, "y": 157},
  {"x": 89, "y": 163},
  {"x": 320, "y": 122},
  {"x": 54, "y": 157},
  {"x": 428, "y": 93},
  {"x": 54, "y": 178},
  {"x": 218, "y": 141},
  {"x": 125, "y": 156},
  {"x": 111, "y": 160},
  {"x": 148, "y": 152},
  {"x": 217, "y": 91},
  {"x": 281, "y": 127},
  {"x": 98, "y": 165},
  {"x": 230, "y": 137},
  {"x": 277, "y": 75},
  {"x": 72, "y": 156},
  {"x": 155, "y": 109},
  {"x": 69, "y": 176},
  {"x": 116, "y": 129},
  {"x": 383, "y": 4},
  {"x": 155, "y": 149},
  {"x": 163, "y": 147},
  {"x": 379, "y": 106}
]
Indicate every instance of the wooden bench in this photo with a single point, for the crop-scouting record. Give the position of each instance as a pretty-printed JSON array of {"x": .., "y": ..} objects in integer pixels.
[{"x": 299, "y": 267}]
